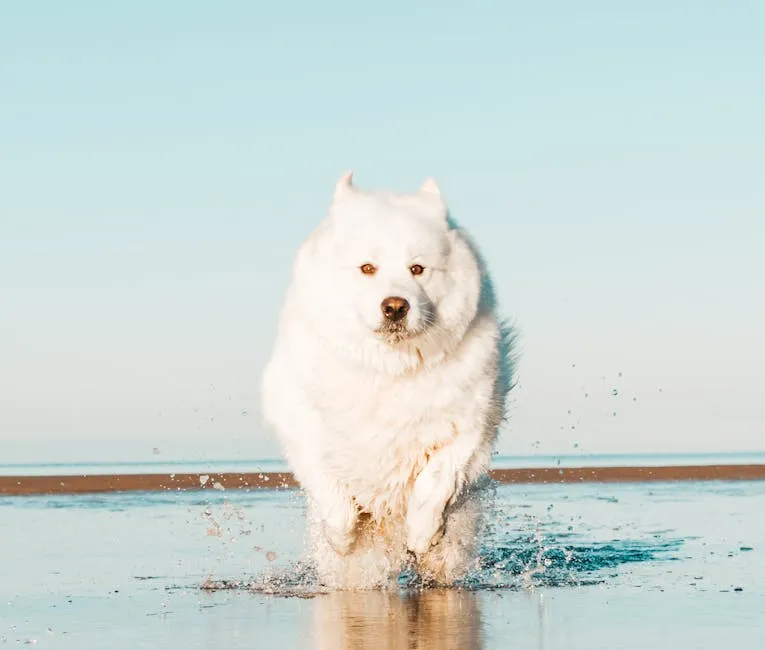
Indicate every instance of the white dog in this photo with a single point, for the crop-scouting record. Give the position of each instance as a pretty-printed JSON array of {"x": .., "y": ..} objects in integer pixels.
[{"x": 387, "y": 386}]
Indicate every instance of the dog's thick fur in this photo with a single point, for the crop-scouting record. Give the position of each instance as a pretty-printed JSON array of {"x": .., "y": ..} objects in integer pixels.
[{"x": 389, "y": 426}]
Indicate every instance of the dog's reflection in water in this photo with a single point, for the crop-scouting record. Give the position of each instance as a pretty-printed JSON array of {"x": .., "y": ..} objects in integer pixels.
[{"x": 431, "y": 619}]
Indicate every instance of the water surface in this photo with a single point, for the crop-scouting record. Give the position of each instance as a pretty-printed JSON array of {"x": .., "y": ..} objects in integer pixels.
[
  {"x": 161, "y": 465},
  {"x": 562, "y": 566}
]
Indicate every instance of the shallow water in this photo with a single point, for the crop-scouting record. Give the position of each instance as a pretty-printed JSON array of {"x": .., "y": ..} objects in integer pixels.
[{"x": 562, "y": 566}]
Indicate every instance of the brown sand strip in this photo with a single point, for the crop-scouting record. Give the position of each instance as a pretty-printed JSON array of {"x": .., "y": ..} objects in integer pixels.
[
  {"x": 631, "y": 474},
  {"x": 92, "y": 483}
]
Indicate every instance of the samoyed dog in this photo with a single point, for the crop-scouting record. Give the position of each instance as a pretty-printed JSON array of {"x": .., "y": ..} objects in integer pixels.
[{"x": 386, "y": 387}]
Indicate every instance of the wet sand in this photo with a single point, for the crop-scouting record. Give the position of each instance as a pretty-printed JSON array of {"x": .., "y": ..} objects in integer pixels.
[{"x": 96, "y": 483}]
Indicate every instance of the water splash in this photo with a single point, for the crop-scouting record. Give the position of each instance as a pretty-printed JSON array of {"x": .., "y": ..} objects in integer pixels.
[
  {"x": 555, "y": 564},
  {"x": 541, "y": 537},
  {"x": 524, "y": 562}
]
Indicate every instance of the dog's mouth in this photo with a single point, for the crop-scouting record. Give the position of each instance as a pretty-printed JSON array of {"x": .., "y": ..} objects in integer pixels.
[{"x": 393, "y": 333}]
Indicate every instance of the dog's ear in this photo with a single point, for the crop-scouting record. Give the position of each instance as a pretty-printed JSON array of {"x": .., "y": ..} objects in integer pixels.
[
  {"x": 430, "y": 197},
  {"x": 344, "y": 186},
  {"x": 430, "y": 187}
]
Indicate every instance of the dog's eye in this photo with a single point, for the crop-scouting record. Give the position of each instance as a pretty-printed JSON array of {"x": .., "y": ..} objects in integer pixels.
[
  {"x": 416, "y": 269},
  {"x": 368, "y": 269}
]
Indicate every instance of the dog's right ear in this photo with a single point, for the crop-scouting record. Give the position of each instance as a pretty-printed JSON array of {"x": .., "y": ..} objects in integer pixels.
[{"x": 344, "y": 186}]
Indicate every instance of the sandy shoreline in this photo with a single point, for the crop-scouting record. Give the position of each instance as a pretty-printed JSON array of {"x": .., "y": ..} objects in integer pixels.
[{"x": 98, "y": 483}]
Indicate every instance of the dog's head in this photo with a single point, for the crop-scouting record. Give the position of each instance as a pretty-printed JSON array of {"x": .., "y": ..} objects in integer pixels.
[{"x": 387, "y": 272}]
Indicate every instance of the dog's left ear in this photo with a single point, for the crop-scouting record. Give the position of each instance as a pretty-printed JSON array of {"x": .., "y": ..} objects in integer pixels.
[{"x": 431, "y": 196}]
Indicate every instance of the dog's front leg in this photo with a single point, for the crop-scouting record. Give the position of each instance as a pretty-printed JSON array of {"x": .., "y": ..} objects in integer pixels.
[
  {"x": 337, "y": 515},
  {"x": 332, "y": 509},
  {"x": 434, "y": 488},
  {"x": 442, "y": 480}
]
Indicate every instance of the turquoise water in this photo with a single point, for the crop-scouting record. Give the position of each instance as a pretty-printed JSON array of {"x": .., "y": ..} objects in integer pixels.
[{"x": 562, "y": 566}]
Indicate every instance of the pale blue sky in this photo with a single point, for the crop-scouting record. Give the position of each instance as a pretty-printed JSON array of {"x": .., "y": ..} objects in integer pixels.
[{"x": 160, "y": 162}]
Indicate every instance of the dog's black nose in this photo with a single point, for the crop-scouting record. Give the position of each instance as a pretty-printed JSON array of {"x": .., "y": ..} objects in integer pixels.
[{"x": 394, "y": 308}]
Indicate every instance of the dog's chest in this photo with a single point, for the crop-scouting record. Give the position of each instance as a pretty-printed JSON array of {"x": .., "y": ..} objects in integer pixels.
[
  {"x": 379, "y": 434},
  {"x": 358, "y": 406}
]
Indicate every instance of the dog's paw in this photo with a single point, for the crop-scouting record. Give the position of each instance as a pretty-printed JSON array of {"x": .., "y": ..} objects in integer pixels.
[
  {"x": 337, "y": 520},
  {"x": 341, "y": 541},
  {"x": 340, "y": 534},
  {"x": 424, "y": 532}
]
